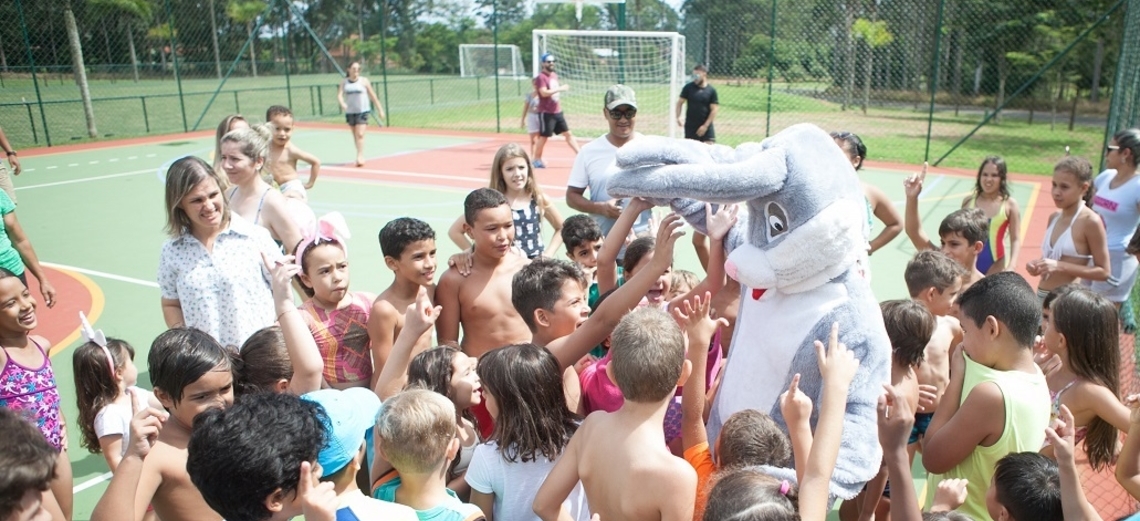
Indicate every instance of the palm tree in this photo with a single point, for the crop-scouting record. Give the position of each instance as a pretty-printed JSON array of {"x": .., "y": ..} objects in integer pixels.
[
  {"x": 128, "y": 13},
  {"x": 78, "y": 68},
  {"x": 246, "y": 12}
]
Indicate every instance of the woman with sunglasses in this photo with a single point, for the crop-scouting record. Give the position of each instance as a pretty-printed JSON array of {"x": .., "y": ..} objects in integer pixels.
[{"x": 1117, "y": 200}]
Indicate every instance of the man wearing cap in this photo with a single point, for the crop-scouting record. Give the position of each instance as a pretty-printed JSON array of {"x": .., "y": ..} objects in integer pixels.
[
  {"x": 703, "y": 105},
  {"x": 349, "y": 415},
  {"x": 550, "y": 117},
  {"x": 592, "y": 168}
]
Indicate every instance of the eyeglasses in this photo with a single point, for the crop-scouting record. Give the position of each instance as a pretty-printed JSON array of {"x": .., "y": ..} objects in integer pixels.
[
  {"x": 629, "y": 114},
  {"x": 549, "y": 61},
  {"x": 1110, "y": 148}
]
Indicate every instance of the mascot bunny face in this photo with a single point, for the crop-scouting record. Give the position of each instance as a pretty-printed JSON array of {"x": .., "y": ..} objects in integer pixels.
[{"x": 796, "y": 259}]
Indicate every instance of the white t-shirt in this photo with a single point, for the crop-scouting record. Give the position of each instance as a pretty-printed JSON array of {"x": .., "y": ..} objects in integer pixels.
[
  {"x": 593, "y": 167},
  {"x": 365, "y": 507},
  {"x": 516, "y": 484},
  {"x": 116, "y": 418}
]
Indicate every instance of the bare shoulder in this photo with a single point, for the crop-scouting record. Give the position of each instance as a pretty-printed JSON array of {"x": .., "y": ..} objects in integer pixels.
[
  {"x": 40, "y": 341},
  {"x": 450, "y": 280},
  {"x": 1011, "y": 204},
  {"x": 382, "y": 308}
]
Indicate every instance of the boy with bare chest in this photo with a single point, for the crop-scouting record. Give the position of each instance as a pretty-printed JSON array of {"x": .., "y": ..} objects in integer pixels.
[
  {"x": 283, "y": 156},
  {"x": 481, "y": 302},
  {"x": 408, "y": 246}
]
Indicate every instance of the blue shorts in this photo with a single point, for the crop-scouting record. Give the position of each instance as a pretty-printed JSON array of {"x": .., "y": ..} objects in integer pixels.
[
  {"x": 359, "y": 118},
  {"x": 921, "y": 423}
]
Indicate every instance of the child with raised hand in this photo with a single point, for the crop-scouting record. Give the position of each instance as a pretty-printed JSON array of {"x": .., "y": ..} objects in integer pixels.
[
  {"x": 648, "y": 363},
  {"x": 1128, "y": 463},
  {"x": 1082, "y": 331},
  {"x": 27, "y": 466},
  {"x": 748, "y": 438},
  {"x": 963, "y": 233},
  {"x": 997, "y": 401},
  {"x": 191, "y": 373},
  {"x": 284, "y": 357},
  {"x": 29, "y": 380},
  {"x": 105, "y": 378},
  {"x": 522, "y": 387},
  {"x": 336, "y": 318},
  {"x": 583, "y": 240},
  {"x": 1061, "y": 435},
  {"x": 513, "y": 176},
  {"x": 1075, "y": 245},
  {"x": 749, "y": 490}
]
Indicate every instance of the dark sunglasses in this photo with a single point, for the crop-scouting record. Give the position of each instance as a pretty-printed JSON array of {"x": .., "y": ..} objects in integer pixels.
[{"x": 629, "y": 114}]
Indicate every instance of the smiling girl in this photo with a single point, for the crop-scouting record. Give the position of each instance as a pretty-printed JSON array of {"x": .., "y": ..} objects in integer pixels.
[{"x": 991, "y": 194}]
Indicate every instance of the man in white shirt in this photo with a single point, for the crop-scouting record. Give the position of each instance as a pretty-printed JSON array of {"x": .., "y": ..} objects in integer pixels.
[{"x": 596, "y": 163}]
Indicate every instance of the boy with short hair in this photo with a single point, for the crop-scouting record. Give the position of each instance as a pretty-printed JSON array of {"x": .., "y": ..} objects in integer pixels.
[
  {"x": 408, "y": 246},
  {"x": 1026, "y": 486},
  {"x": 283, "y": 156},
  {"x": 481, "y": 301},
  {"x": 997, "y": 401},
  {"x": 611, "y": 451},
  {"x": 934, "y": 280},
  {"x": 191, "y": 374},
  {"x": 963, "y": 233},
  {"x": 257, "y": 460},
  {"x": 27, "y": 466},
  {"x": 348, "y": 415},
  {"x": 416, "y": 434},
  {"x": 583, "y": 240}
]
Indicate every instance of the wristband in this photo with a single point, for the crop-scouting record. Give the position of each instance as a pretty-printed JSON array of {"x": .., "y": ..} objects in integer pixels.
[{"x": 11, "y": 152}]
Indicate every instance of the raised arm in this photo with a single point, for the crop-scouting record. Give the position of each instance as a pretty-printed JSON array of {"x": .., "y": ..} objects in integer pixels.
[
  {"x": 571, "y": 348},
  {"x": 699, "y": 327},
  {"x": 1074, "y": 505},
  {"x": 719, "y": 224},
  {"x": 615, "y": 241},
  {"x": 299, "y": 343},
  {"x": 796, "y": 408},
  {"x": 134, "y": 482},
  {"x": 418, "y": 319},
  {"x": 912, "y": 223},
  {"x": 895, "y": 423}
]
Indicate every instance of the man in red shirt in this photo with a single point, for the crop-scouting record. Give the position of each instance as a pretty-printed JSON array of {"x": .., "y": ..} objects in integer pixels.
[{"x": 550, "y": 117}]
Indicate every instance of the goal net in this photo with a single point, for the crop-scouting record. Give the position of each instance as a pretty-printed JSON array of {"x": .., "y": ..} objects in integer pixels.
[
  {"x": 652, "y": 63},
  {"x": 477, "y": 60}
]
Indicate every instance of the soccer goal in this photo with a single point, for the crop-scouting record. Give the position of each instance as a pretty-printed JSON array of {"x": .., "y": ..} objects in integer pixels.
[
  {"x": 478, "y": 60},
  {"x": 652, "y": 63}
]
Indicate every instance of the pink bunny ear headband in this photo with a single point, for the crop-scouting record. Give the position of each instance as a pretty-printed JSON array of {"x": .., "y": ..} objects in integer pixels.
[
  {"x": 329, "y": 228},
  {"x": 96, "y": 337}
]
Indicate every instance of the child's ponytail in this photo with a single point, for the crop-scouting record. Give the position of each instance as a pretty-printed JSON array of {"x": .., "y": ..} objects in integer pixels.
[
  {"x": 262, "y": 363},
  {"x": 748, "y": 494},
  {"x": 97, "y": 383}
]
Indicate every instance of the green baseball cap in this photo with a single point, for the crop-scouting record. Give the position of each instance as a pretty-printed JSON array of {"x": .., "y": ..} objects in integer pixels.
[{"x": 619, "y": 95}]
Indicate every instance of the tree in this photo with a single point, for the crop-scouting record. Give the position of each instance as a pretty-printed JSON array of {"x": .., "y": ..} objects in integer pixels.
[
  {"x": 214, "y": 39},
  {"x": 78, "y": 68},
  {"x": 874, "y": 35},
  {"x": 126, "y": 13},
  {"x": 246, "y": 12}
]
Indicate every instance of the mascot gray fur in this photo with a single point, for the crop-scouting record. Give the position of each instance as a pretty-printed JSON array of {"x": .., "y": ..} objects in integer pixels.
[{"x": 795, "y": 256}]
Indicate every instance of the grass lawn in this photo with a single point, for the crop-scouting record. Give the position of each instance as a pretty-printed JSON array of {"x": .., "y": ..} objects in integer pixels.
[{"x": 151, "y": 106}]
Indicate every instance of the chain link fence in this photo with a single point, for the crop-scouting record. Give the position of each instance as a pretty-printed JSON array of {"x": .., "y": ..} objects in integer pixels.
[{"x": 948, "y": 81}]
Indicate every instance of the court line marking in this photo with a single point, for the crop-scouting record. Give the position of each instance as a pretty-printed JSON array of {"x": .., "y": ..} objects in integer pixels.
[
  {"x": 106, "y": 476},
  {"x": 103, "y": 274},
  {"x": 400, "y": 173},
  {"x": 85, "y": 179},
  {"x": 98, "y": 301}
]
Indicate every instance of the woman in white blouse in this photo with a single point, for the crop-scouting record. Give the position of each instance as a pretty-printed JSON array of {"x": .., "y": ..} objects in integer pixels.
[{"x": 211, "y": 271}]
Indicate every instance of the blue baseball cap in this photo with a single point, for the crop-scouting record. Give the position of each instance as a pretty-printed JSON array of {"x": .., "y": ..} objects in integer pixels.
[
  {"x": 547, "y": 57},
  {"x": 350, "y": 413}
]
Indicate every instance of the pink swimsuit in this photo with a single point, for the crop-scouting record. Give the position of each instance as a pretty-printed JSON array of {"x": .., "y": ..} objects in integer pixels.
[
  {"x": 33, "y": 394},
  {"x": 342, "y": 338}
]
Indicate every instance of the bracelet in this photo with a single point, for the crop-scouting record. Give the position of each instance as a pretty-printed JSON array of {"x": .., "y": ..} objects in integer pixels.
[
  {"x": 11, "y": 152},
  {"x": 283, "y": 313}
]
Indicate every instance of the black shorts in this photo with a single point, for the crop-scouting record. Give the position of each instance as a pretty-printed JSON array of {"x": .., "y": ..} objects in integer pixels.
[
  {"x": 691, "y": 133},
  {"x": 360, "y": 118},
  {"x": 552, "y": 124}
]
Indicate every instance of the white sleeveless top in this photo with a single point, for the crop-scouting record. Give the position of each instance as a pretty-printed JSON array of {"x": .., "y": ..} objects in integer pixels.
[{"x": 356, "y": 95}]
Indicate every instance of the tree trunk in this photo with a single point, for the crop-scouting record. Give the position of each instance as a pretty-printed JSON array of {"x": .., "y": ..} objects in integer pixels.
[
  {"x": 1073, "y": 110},
  {"x": 1098, "y": 62},
  {"x": 214, "y": 37},
  {"x": 867, "y": 68},
  {"x": 1003, "y": 73},
  {"x": 252, "y": 52},
  {"x": 957, "y": 81},
  {"x": 78, "y": 69},
  {"x": 131, "y": 47},
  {"x": 3, "y": 58},
  {"x": 106, "y": 42},
  {"x": 1056, "y": 100},
  {"x": 360, "y": 26},
  {"x": 849, "y": 54}
]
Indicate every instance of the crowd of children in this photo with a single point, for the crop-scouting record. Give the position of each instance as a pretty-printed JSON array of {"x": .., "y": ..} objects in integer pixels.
[{"x": 523, "y": 386}]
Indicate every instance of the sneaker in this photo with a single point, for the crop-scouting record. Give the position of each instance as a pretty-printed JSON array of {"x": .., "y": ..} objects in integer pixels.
[{"x": 539, "y": 164}]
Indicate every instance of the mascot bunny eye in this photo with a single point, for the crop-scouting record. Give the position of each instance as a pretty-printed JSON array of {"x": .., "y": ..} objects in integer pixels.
[{"x": 777, "y": 220}]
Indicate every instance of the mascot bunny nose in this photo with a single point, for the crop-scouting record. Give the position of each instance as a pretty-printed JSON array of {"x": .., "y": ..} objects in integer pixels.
[{"x": 796, "y": 258}]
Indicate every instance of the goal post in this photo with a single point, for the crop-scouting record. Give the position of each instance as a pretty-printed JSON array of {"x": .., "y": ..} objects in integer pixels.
[
  {"x": 651, "y": 63},
  {"x": 478, "y": 60}
]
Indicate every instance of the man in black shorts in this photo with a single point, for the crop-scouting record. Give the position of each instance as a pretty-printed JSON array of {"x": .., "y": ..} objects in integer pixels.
[
  {"x": 550, "y": 118},
  {"x": 702, "y": 109}
]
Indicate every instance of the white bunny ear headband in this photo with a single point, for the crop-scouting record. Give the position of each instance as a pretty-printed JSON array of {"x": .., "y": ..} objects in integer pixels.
[
  {"x": 331, "y": 227},
  {"x": 96, "y": 337}
]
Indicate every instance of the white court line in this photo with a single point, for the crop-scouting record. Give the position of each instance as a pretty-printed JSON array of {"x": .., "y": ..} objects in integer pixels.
[
  {"x": 73, "y": 164},
  {"x": 106, "y": 476},
  {"x": 421, "y": 175},
  {"x": 103, "y": 274},
  {"x": 51, "y": 167},
  {"x": 86, "y": 179}
]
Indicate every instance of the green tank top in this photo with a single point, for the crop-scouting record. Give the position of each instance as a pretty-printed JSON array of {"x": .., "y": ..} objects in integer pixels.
[{"x": 1027, "y": 407}]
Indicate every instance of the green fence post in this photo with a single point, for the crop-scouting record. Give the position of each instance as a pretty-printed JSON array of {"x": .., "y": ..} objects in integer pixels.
[
  {"x": 384, "y": 58},
  {"x": 177, "y": 74},
  {"x": 312, "y": 105},
  {"x": 771, "y": 71},
  {"x": 495, "y": 42},
  {"x": 146, "y": 119},
  {"x": 32, "y": 63},
  {"x": 320, "y": 100},
  {"x": 936, "y": 59},
  {"x": 237, "y": 106},
  {"x": 32, "y": 120},
  {"x": 431, "y": 89},
  {"x": 478, "y": 89}
]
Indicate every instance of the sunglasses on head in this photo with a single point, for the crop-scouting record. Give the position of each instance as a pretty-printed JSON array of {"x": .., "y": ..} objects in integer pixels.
[
  {"x": 1110, "y": 148},
  {"x": 629, "y": 114}
]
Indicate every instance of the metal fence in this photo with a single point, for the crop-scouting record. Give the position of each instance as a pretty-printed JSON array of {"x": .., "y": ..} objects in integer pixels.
[{"x": 948, "y": 81}]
